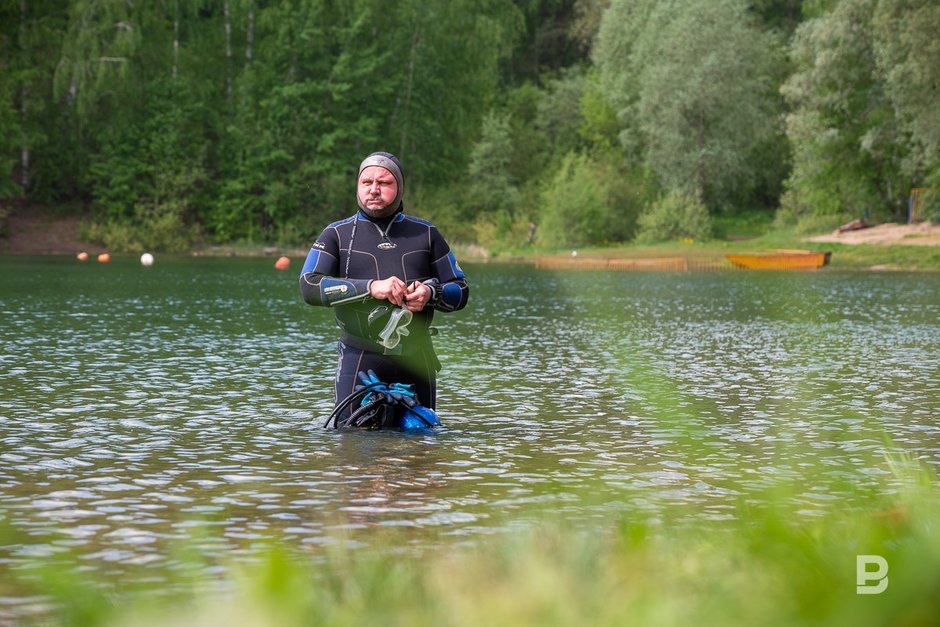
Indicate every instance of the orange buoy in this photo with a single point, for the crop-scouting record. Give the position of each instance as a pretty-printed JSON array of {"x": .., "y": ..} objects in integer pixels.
[
  {"x": 282, "y": 263},
  {"x": 82, "y": 256},
  {"x": 104, "y": 257}
]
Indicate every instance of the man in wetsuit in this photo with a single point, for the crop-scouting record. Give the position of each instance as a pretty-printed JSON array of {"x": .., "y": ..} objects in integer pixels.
[{"x": 377, "y": 270}]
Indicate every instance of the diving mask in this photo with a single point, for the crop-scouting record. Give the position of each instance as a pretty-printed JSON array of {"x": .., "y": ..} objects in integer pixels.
[{"x": 395, "y": 327}]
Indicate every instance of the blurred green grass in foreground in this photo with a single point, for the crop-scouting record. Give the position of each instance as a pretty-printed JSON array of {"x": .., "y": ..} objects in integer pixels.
[{"x": 769, "y": 566}]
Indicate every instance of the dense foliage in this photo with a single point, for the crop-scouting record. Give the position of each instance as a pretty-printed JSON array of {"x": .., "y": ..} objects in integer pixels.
[{"x": 243, "y": 120}]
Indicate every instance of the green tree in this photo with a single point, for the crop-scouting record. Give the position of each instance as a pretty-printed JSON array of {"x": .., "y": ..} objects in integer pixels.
[
  {"x": 29, "y": 37},
  {"x": 97, "y": 51},
  {"x": 330, "y": 82},
  {"x": 696, "y": 85},
  {"x": 491, "y": 188},
  {"x": 9, "y": 131},
  {"x": 531, "y": 148},
  {"x": 615, "y": 55},
  {"x": 573, "y": 204},
  {"x": 848, "y": 154},
  {"x": 784, "y": 15},
  {"x": 9, "y": 123},
  {"x": 244, "y": 118},
  {"x": 303, "y": 110},
  {"x": 674, "y": 216},
  {"x": 588, "y": 15},
  {"x": 148, "y": 127},
  {"x": 590, "y": 200},
  {"x": 907, "y": 53},
  {"x": 548, "y": 40},
  {"x": 559, "y": 111},
  {"x": 447, "y": 58},
  {"x": 599, "y": 127}
]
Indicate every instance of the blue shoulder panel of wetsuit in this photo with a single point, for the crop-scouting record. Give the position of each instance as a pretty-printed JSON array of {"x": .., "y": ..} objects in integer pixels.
[
  {"x": 454, "y": 266},
  {"x": 313, "y": 258},
  {"x": 309, "y": 281}
]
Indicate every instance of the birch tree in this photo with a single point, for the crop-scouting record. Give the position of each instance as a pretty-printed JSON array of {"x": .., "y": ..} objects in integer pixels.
[
  {"x": 29, "y": 33},
  {"x": 96, "y": 52}
]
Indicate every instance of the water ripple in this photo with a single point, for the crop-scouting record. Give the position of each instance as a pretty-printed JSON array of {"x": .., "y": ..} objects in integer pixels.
[{"x": 139, "y": 408}]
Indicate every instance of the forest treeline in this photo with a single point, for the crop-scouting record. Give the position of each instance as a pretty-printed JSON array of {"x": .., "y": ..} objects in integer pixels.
[{"x": 173, "y": 121}]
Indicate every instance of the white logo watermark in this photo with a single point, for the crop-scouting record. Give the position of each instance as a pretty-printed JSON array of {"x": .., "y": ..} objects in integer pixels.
[{"x": 863, "y": 575}]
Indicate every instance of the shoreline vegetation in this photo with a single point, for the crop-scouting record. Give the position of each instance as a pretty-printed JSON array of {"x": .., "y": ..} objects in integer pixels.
[{"x": 37, "y": 230}]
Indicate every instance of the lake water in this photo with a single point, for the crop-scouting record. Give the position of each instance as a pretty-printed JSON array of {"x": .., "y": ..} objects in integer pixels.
[{"x": 139, "y": 403}]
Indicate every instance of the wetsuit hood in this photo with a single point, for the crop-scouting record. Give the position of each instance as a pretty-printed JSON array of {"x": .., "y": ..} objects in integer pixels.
[{"x": 391, "y": 163}]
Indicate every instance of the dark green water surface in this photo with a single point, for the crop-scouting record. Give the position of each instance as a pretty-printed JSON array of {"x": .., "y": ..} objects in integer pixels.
[{"x": 137, "y": 403}]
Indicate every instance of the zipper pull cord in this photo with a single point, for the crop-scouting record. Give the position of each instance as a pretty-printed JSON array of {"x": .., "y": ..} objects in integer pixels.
[{"x": 352, "y": 238}]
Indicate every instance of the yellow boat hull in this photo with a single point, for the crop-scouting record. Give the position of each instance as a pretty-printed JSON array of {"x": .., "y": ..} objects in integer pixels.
[{"x": 781, "y": 260}]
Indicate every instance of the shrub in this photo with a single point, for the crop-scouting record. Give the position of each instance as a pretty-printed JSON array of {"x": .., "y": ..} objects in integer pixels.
[
  {"x": 501, "y": 231},
  {"x": 930, "y": 207},
  {"x": 156, "y": 229},
  {"x": 444, "y": 208},
  {"x": 673, "y": 216},
  {"x": 576, "y": 205}
]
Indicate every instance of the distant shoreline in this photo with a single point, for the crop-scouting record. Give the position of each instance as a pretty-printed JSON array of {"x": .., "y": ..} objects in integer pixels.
[{"x": 36, "y": 230}]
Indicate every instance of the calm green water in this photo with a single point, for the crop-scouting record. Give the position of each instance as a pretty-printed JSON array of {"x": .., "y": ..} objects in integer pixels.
[{"x": 138, "y": 403}]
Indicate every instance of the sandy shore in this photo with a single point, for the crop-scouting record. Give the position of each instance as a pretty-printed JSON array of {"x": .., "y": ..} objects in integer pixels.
[
  {"x": 920, "y": 234},
  {"x": 35, "y": 231}
]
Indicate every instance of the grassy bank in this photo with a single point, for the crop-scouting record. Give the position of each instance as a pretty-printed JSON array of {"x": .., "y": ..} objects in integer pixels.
[{"x": 844, "y": 256}]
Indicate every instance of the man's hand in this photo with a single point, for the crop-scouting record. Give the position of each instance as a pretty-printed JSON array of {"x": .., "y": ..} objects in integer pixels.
[
  {"x": 417, "y": 296},
  {"x": 391, "y": 289}
]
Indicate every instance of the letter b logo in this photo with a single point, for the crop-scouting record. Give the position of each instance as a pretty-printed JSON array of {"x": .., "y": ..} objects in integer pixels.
[{"x": 863, "y": 575}]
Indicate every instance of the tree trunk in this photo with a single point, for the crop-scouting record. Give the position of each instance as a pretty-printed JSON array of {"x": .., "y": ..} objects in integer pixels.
[
  {"x": 228, "y": 49},
  {"x": 24, "y": 138},
  {"x": 415, "y": 44},
  {"x": 250, "y": 34},
  {"x": 176, "y": 36},
  {"x": 24, "y": 121}
]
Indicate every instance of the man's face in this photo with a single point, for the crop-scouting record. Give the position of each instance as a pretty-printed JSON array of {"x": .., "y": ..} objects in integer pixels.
[{"x": 377, "y": 189}]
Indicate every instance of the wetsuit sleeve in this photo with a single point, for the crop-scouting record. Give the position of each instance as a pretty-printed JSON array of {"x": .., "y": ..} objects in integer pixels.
[
  {"x": 449, "y": 288},
  {"x": 320, "y": 283}
]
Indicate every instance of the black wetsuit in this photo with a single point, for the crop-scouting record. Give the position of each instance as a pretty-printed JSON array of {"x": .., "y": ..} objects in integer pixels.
[{"x": 346, "y": 257}]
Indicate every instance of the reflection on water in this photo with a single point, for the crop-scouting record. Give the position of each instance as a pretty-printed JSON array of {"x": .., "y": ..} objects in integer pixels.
[{"x": 138, "y": 403}]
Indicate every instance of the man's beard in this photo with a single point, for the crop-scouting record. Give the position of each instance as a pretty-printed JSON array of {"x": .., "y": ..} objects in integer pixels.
[
  {"x": 384, "y": 212},
  {"x": 378, "y": 214}
]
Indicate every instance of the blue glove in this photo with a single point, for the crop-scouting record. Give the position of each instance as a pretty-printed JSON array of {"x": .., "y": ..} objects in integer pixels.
[
  {"x": 425, "y": 415},
  {"x": 368, "y": 378},
  {"x": 416, "y": 415},
  {"x": 401, "y": 391}
]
